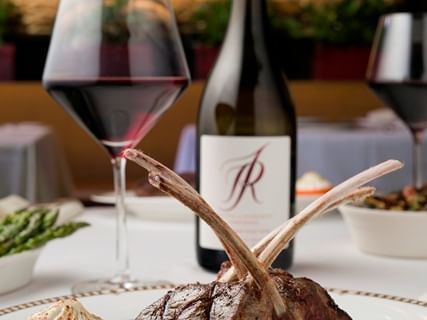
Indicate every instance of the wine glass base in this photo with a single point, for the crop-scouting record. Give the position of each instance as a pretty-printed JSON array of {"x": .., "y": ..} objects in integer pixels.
[{"x": 108, "y": 284}]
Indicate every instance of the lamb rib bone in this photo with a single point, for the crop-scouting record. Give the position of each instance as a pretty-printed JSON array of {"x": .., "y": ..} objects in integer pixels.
[
  {"x": 355, "y": 196},
  {"x": 154, "y": 167},
  {"x": 279, "y": 242},
  {"x": 166, "y": 180},
  {"x": 155, "y": 178}
]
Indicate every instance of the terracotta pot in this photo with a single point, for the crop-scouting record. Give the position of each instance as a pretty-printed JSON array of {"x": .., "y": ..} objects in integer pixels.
[
  {"x": 344, "y": 63},
  {"x": 7, "y": 62},
  {"x": 204, "y": 59}
]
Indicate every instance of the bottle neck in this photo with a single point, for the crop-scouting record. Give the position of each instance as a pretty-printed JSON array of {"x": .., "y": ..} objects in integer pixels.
[
  {"x": 249, "y": 31},
  {"x": 249, "y": 16}
]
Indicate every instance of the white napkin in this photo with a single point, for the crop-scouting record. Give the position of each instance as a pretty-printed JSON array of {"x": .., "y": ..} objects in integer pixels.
[
  {"x": 12, "y": 203},
  {"x": 68, "y": 208},
  {"x": 383, "y": 118}
]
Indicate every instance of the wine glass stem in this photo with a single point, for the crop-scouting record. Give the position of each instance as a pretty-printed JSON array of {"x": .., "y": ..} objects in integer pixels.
[
  {"x": 122, "y": 244},
  {"x": 417, "y": 170}
]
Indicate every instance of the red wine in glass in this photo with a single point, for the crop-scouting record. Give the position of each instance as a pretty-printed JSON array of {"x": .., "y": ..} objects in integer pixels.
[
  {"x": 116, "y": 67},
  {"x": 118, "y": 112},
  {"x": 407, "y": 99},
  {"x": 397, "y": 74}
]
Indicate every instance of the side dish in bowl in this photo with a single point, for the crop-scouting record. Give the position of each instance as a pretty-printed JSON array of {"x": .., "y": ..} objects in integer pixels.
[
  {"x": 393, "y": 224},
  {"x": 22, "y": 235}
]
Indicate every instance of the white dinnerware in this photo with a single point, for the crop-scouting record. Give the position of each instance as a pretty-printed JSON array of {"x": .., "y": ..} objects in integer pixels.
[{"x": 387, "y": 232}]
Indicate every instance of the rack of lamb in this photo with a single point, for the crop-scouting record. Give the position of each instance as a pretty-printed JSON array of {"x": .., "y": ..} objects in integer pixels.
[{"x": 247, "y": 287}]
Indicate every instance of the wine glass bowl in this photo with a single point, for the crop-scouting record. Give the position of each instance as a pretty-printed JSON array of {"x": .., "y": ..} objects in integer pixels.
[
  {"x": 116, "y": 66},
  {"x": 397, "y": 73}
]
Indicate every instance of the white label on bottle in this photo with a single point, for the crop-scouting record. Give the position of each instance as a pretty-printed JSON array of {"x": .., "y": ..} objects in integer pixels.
[{"x": 247, "y": 181}]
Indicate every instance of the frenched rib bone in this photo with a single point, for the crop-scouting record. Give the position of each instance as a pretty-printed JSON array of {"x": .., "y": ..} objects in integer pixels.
[
  {"x": 270, "y": 246},
  {"x": 343, "y": 190},
  {"x": 355, "y": 196}
]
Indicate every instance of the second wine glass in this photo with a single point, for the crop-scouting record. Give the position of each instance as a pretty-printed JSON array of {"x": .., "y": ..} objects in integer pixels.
[
  {"x": 397, "y": 73},
  {"x": 116, "y": 66}
]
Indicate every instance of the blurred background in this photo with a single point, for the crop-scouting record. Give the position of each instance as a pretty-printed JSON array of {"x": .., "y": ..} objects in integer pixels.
[
  {"x": 323, "y": 46},
  {"x": 310, "y": 34}
]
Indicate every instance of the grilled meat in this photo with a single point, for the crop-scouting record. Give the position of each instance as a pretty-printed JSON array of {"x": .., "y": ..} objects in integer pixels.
[{"x": 242, "y": 300}]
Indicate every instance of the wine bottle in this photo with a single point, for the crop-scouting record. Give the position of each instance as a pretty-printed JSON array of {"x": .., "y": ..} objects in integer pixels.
[{"x": 246, "y": 137}]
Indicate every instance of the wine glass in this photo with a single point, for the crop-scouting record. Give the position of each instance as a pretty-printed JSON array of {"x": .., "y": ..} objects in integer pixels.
[
  {"x": 397, "y": 72},
  {"x": 115, "y": 66}
]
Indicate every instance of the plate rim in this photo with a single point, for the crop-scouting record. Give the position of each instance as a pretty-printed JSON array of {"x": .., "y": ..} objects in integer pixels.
[{"x": 43, "y": 301}]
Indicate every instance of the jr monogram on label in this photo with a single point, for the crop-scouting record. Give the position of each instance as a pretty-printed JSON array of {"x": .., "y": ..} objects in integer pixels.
[
  {"x": 242, "y": 175},
  {"x": 246, "y": 179}
]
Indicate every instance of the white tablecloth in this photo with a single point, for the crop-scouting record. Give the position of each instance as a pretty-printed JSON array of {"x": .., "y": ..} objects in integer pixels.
[
  {"x": 165, "y": 251},
  {"x": 31, "y": 163},
  {"x": 336, "y": 151}
]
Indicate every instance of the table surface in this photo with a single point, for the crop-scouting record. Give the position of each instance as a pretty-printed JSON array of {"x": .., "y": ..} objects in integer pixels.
[{"x": 165, "y": 251}]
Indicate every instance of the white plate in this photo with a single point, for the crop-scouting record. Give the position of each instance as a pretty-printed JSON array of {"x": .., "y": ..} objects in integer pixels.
[
  {"x": 150, "y": 208},
  {"x": 127, "y": 305}
]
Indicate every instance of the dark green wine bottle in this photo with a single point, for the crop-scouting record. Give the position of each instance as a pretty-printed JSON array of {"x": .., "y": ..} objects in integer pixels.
[{"x": 246, "y": 137}]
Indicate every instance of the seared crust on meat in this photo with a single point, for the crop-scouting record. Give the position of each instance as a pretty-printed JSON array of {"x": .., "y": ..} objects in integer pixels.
[{"x": 243, "y": 300}]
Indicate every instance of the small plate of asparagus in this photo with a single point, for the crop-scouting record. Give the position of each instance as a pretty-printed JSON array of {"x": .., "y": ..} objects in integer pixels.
[{"x": 22, "y": 235}]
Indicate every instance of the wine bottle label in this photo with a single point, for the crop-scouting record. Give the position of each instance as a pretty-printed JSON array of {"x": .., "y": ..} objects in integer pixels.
[{"x": 247, "y": 181}]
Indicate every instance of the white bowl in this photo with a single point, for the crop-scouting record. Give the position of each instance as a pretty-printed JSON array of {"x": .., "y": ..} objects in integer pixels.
[
  {"x": 17, "y": 270},
  {"x": 387, "y": 232}
]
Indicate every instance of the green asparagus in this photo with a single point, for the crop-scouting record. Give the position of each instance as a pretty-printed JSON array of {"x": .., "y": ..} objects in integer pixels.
[
  {"x": 11, "y": 230},
  {"x": 12, "y": 217},
  {"x": 49, "y": 234},
  {"x": 50, "y": 219},
  {"x": 31, "y": 228}
]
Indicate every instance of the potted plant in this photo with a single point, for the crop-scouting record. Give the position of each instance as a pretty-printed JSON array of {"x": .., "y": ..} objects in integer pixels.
[
  {"x": 343, "y": 32},
  {"x": 7, "y": 51},
  {"x": 207, "y": 25}
]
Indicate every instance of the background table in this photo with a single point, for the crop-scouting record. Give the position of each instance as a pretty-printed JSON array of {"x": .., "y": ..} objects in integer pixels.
[
  {"x": 336, "y": 151},
  {"x": 32, "y": 164},
  {"x": 165, "y": 251}
]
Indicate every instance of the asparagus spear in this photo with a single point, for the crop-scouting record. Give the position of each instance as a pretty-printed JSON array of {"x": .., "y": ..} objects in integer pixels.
[
  {"x": 47, "y": 235},
  {"x": 11, "y": 230},
  {"x": 12, "y": 217},
  {"x": 31, "y": 229},
  {"x": 50, "y": 219},
  {"x": 10, "y": 222}
]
